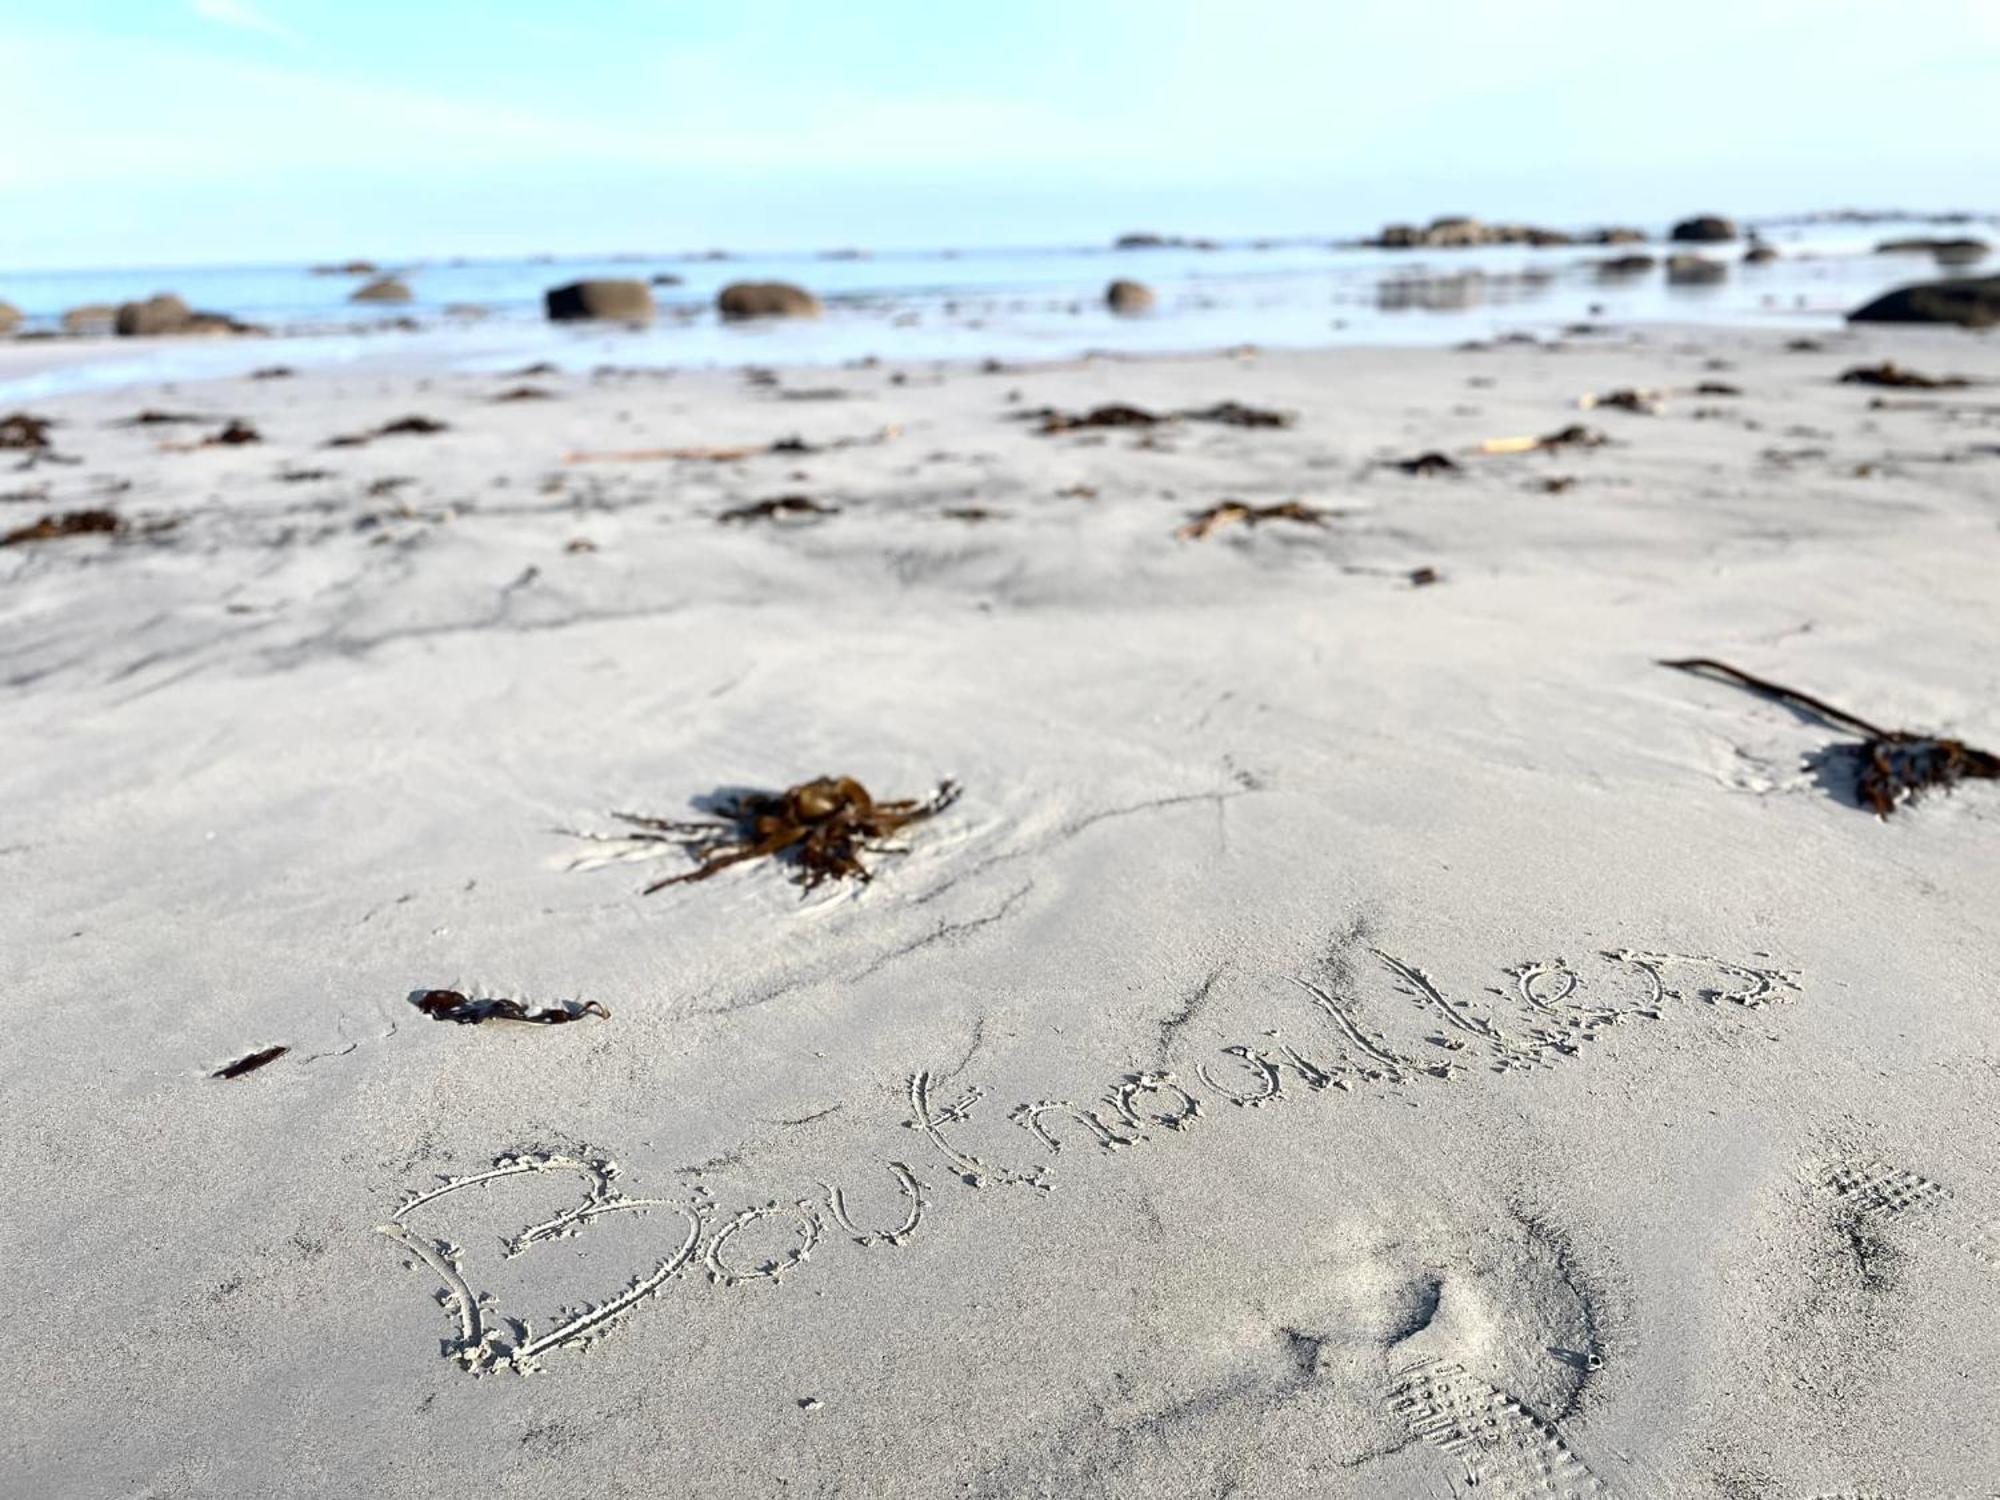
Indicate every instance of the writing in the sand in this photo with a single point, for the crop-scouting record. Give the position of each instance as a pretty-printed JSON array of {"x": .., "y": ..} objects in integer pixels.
[{"x": 1545, "y": 1014}]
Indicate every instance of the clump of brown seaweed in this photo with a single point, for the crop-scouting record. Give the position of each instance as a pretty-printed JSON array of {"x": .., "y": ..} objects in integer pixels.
[
  {"x": 1896, "y": 765},
  {"x": 820, "y": 827},
  {"x": 24, "y": 432}
]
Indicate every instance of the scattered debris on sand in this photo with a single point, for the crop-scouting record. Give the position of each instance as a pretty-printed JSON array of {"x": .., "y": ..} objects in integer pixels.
[
  {"x": 70, "y": 523},
  {"x": 820, "y": 827},
  {"x": 971, "y": 513},
  {"x": 1896, "y": 765},
  {"x": 273, "y": 372},
  {"x": 1114, "y": 415},
  {"x": 249, "y": 1064},
  {"x": 153, "y": 418},
  {"x": 1425, "y": 464},
  {"x": 778, "y": 508},
  {"x": 734, "y": 452},
  {"x": 1236, "y": 414},
  {"x": 450, "y": 1005},
  {"x": 1574, "y": 436},
  {"x": 411, "y": 426},
  {"x": 1424, "y": 577},
  {"x": 1645, "y": 403},
  {"x": 1119, "y": 414},
  {"x": 1238, "y": 512},
  {"x": 526, "y": 393},
  {"x": 1889, "y": 373},
  {"x": 235, "y": 434},
  {"x": 23, "y": 432}
]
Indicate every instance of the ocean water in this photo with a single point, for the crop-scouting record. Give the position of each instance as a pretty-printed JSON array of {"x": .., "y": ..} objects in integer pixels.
[{"x": 954, "y": 305}]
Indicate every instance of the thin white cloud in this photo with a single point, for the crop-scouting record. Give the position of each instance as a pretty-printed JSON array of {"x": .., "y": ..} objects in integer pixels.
[{"x": 236, "y": 13}]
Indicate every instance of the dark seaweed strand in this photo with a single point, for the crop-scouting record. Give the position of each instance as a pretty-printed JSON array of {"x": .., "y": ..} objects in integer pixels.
[
  {"x": 1701, "y": 664},
  {"x": 251, "y": 1063}
]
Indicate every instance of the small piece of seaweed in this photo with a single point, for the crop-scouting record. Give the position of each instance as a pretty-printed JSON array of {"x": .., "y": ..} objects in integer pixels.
[
  {"x": 1236, "y": 414},
  {"x": 1889, "y": 373},
  {"x": 1114, "y": 415},
  {"x": 152, "y": 417},
  {"x": 1119, "y": 414},
  {"x": 1426, "y": 464},
  {"x": 776, "y": 508},
  {"x": 1896, "y": 764},
  {"x": 450, "y": 1005},
  {"x": 415, "y": 426},
  {"x": 822, "y": 827},
  {"x": 1626, "y": 398},
  {"x": 1238, "y": 512},
  {"x": 250, "y": 1064},
  {"x": 70, "y": 523}
]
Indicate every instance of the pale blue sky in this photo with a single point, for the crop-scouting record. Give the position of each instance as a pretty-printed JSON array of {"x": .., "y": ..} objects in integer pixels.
[{"x": 174, "y": 131}]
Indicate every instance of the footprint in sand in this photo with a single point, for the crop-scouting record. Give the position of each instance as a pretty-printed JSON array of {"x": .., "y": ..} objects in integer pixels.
[
  {"x": 1893, "y": 1196},
  {"x": 1499, "y": 1351},
  {"x": 1507, "y": 1449}
]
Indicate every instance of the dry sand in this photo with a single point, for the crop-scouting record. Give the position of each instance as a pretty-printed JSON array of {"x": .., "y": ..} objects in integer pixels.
[{"x": 1483, "y": 1062}]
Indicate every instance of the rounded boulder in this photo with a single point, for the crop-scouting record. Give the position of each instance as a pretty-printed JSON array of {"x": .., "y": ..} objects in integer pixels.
[
  {"x": 766, "y": 299},
  {"x": 1129, "y": 297},
  {"x": 604, "y": 301},
  {"x": 1704, "y": 229},
  {"x": 1970, "y": 302},
  {"x": 381, "y": 289}
]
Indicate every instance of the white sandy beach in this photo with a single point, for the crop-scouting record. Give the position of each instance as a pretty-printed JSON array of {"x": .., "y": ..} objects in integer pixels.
[{"x": 1483, "y": 1061}]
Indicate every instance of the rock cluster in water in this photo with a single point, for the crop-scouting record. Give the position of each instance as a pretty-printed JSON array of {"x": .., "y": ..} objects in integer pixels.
[{"x": 1460, "y": 232}]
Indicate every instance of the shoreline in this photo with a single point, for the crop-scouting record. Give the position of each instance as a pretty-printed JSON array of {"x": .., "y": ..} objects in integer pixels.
[{"x": 46, "y": 369}]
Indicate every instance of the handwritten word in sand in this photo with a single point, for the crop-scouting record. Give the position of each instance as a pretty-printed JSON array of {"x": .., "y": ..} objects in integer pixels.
[{"x": 1546, "y": 1013}]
